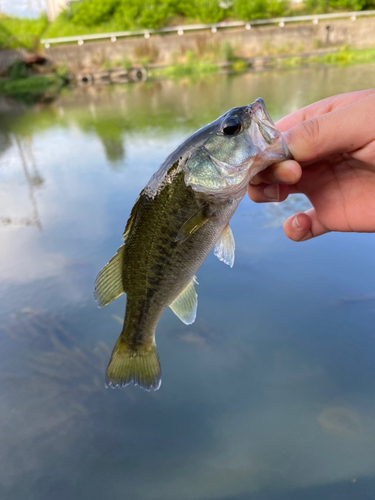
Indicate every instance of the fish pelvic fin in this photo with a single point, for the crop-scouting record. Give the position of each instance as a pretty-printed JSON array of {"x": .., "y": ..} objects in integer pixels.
[
  {"x": 224, "y": 248},
  {"x": 185, "y": 305},
  {"x": 138, "y": 364}
]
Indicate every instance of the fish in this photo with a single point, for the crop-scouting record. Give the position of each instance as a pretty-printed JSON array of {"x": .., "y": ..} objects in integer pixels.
[{"x": 178, "y": 218}]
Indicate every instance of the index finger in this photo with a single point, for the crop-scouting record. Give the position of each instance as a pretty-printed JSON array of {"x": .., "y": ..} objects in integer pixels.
[
  {"x": 321, "y": 107},
  {"x": 341, "y": 131}
]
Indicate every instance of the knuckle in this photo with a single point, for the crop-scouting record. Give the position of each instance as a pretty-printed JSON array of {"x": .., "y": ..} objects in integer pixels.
[{"x": 311, "y": 130}]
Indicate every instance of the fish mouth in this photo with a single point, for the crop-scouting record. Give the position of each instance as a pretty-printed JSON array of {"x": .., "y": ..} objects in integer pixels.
[
  {"x": 258, "y": 110},
  {"x": 265, "y": 136}
]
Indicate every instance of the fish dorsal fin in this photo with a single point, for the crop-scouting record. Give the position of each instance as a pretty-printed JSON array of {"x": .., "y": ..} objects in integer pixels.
[
  {"x": 185, "y": 306},
  {"x": 132, "y": 217},
  {"x": 108, "y": 284},
  {"x": 224, "y": 248},
  {"x": 195, "y": 222}
]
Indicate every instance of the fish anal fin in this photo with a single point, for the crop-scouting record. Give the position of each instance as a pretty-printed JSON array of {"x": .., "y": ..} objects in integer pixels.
[
  {"x": 195, "y": 222},
  {"x": 224, "y": 248},
  {"x": 185, "y": 305},
  {"x": 139, "y": 365},
  {"x": 108, "y": 284}
]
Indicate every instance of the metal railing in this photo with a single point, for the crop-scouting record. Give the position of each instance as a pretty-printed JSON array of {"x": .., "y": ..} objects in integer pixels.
[{"x": 214, "y": 27}]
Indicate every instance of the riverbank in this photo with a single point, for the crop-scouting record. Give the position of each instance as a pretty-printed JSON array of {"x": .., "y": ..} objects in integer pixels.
[
  {"x": 46, "y": 87},
  {"x": 192, "y": 68},
  {"x": 222, "y": 45}
]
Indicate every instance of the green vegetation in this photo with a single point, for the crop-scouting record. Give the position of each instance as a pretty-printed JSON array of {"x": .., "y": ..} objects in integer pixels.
[
  {"x": 134, "y": 14},
  {"x": 343, "y": 57},
  {"x": 191, "y": 70},
  {"x": 256, "y": 9},
  {"x": 115, "y": 15},
  {"x": 321, "y": 6},
  {"x": 16, "y": 32},
  {"x": 33, "y": 88},
  {"x": 101, "y": 16},
  {"x": 195, "y": 67}
]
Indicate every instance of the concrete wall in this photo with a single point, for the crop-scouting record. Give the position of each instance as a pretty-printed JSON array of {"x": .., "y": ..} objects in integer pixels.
[{"x": 246, "y": 43}]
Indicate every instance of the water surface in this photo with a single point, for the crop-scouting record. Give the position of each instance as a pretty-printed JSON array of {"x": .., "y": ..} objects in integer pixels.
[{"x": 270, "y": 394}]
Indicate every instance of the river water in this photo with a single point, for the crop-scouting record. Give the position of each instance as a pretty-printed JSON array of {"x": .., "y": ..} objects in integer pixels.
[{"x": 270, "y": 394}]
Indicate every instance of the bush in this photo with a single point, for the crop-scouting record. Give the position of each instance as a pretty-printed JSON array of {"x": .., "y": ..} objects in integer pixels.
[
  {"x": 206, "y": 11},
  {"x": 125, "y": 14},
  {"x": 147, "y": 14},
  {"x": 258, "y": 9},
  {"x": 319, "y": 6},
  {"x": 31, "y": 89},
  {"x": 18, "y": 70},
  {"x": 17, "y": 32},
  {"x": 91, "y": 12}
]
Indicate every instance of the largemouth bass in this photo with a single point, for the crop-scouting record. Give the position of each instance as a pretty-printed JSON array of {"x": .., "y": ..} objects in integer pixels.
[{"x": 181, "y": 214}]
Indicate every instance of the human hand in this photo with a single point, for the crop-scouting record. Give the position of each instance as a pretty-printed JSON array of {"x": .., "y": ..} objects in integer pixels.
[{"x": 333, "y": 143}]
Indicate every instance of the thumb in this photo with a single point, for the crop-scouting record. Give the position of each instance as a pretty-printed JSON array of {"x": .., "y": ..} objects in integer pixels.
[{"x": 340, "y": 131}]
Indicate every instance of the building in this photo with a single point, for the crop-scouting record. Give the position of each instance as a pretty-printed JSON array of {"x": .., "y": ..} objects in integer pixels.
[{"x": 54, "y": 7}]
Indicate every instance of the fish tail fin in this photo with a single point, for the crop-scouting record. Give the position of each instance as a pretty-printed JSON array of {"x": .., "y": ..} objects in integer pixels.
[{"x": 138, "y": 364}]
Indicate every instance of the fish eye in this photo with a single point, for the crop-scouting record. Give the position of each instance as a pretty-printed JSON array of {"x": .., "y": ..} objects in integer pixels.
[{"x": 232, "y": 126}]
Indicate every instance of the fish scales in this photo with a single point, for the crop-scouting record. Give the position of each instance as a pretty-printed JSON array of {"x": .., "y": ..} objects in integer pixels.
[
  {"x": 182, "y": 213},
  {"x": 154, "y": 278}
]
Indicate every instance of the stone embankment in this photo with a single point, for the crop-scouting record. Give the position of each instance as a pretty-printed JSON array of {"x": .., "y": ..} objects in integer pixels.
[{"x": 266, "y": 41}]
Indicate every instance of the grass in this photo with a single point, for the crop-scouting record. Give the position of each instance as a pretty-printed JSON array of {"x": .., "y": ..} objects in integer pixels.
[
  {"x": 18, "y": 32},
  {"x": 343, "y": 57},
  {"x": 62, "y": 26},
  {"x": 198, "y": 69},
  {"x": 33, "y": 88}
]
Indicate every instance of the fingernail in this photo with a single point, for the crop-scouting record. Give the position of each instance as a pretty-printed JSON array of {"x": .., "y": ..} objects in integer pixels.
[
  {"x": 295, "y": 223},
  {"x": 272, "y": 192}
]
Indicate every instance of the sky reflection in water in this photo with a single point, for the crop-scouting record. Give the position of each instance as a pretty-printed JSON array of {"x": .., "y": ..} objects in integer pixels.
[{"x": 270, "y": 394}]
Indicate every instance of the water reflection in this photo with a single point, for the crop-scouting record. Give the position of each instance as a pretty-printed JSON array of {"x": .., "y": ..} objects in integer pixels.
[
  {"x": 269, "y": 394},
  {"x": 53, "y": 399},
  {"x": 275, "y": 214},
  {"x": 342, "y": 422},
  {"x": 33, "y": 180}
]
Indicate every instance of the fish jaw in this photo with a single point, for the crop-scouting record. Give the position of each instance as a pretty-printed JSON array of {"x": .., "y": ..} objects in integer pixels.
[{"x": 267, "y": 139}]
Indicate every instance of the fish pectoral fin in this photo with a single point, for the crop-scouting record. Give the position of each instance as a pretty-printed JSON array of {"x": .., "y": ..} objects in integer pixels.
[
  {"x": 195, "y": 222},
  {"x": 108, "y": 283},
  {"x": 224, "y": 248},
  {"x": 185, "y": 306},
  {"x": 138, "y": 364}
]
